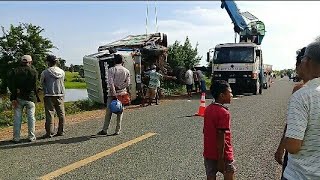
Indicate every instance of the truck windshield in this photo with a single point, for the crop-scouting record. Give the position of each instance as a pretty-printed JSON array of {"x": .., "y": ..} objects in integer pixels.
[{"x": 234, "y": 55}]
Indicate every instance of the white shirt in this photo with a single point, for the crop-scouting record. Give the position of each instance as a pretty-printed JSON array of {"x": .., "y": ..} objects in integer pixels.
[
  {"x": 189, "y": 77},
  {"x": 118, "y": 80},
  {"x": 303, "y": 123}
]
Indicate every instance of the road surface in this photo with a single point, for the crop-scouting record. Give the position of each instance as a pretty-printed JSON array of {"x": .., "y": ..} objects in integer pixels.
[{"x": 158, "y": 142}]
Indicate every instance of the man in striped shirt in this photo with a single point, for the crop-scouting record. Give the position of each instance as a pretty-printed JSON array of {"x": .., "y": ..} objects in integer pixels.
[{"x": 303, "y": 122}]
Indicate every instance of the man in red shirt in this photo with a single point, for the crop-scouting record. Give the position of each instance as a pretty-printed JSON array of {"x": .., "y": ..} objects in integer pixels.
[{"x": 218, "y": 151}]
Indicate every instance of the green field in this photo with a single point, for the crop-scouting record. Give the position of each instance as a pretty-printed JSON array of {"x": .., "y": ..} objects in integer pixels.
[{"x": 70, "y": 81}]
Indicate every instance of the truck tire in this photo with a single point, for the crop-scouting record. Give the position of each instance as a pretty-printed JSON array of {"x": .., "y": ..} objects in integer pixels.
[
  {"x": 256, "y": 88},
  {"x": 164, "y": 40}
]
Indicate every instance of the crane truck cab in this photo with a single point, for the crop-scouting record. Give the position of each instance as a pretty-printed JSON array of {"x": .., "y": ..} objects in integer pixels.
[
  {"x": 139, "y": 52},
  {"x": 240, "y": 64}
]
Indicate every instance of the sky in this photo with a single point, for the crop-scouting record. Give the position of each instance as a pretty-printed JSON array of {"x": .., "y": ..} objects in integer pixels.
[{"x": 79, "y": 28}]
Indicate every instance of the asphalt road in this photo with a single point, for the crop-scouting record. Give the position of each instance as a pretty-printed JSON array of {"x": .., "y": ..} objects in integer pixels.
[{"x": 174, "y": 152}]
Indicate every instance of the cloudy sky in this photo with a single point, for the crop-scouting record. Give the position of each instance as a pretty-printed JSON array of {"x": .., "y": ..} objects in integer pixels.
[{"x": 78, "y": 28}]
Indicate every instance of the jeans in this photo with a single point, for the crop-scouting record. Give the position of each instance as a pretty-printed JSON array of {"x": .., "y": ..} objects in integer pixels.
[
  {"x": 107, "y": 118},
  {"x": 30, "y": 106},
  {"x": 52, "y": 104},
  {"x": 203, "y": 86}
]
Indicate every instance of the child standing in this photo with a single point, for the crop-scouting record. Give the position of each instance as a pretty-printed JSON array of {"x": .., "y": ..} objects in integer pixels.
[{"x": 218, "y": 151}]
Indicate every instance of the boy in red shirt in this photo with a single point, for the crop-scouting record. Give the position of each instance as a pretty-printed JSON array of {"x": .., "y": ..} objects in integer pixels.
[{"x": 218, "y": 151}]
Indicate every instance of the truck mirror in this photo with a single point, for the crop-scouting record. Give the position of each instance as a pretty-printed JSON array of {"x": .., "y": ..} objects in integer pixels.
[{"x": 208, "y": 56}]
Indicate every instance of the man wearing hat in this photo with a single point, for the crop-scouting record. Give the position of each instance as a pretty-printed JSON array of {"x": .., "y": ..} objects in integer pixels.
[
  {"x": 23, "y": 94},
  {"x": 52, "y": 80}
]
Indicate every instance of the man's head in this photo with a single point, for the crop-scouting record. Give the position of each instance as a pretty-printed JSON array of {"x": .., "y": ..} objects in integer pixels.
[
  {"x": 118, "y": 59},
  {"x": 153, "y": 67},
  {"x": 221, "y": 92},
  {"x": 26, "y": 60},
  {"x": 310, "y": 63},
  {"x": 300, "y": 55},
  {"x": 51, "y": 60}
]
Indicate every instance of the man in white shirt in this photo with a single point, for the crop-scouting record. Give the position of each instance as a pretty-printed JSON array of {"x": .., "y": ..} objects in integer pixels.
[
  {"x": 303, "y": 122},
  {"x": 189, "y": 81},
  {"x": 118, "y": 81}
]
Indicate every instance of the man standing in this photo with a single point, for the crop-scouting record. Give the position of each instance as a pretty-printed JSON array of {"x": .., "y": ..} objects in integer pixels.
[
  {"x": 118, "y": 82},
  {"x": 189, "y": 81},
  {"x": 202, "y": 81},
  {"x": 23, "y": 94},
  {"x": 196, "y": 80},
  {"x": 154, "y": 84},
  {"x": 303, "y": 126},
  {"x": 52, "y": 80}
]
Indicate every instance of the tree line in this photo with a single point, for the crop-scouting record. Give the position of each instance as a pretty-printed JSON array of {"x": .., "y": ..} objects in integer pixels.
[{"x": 26, "y": 38}]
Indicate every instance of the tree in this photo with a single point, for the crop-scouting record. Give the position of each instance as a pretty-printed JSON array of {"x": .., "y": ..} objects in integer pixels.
[
  {"x": 62, "y": 64},
  {"x": 19, "y": 40},
  {"x": 71, "y": 68},
  {"x": 183, "y": 55}
]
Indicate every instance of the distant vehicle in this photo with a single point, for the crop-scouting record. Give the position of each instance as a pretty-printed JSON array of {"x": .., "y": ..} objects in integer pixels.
[{"x": 240, "y": 64}]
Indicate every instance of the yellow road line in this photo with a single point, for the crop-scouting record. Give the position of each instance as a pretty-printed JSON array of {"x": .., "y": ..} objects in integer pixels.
[{"x": 95, "y": 157}]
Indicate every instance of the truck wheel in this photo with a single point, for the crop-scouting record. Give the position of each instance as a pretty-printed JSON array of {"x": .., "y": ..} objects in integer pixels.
[
  {"x": 165, "y": 40},
  {"x": 257, "y": 88},
  {"x": 261, "y": 86},
  {"x": 260, "y": 89}
]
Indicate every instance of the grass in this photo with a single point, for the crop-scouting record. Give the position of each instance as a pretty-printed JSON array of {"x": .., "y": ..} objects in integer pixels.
[
  {"x": 74, "y": 81},
  {"x": 75, "y": 85}
]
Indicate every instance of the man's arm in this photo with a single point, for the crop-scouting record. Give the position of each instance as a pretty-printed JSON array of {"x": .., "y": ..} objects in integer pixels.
[
  {"x": 13, "y": 95},
  {"x": 111, "y": 81},
  {"x": 220, "y": 144},
  {"x": 297, "y": 120},
  {"x": 292, "y": 145},
  {"x": 35, "y": 79},
  {"x": 281, "y": 147},
  {"x": 127, "y": 82}
]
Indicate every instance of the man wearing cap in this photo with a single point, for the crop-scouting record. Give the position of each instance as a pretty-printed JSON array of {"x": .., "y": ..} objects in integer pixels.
[
  {"x": 23, "y": 94},
  {"x": 302, "y": 137},
  {"x": 52, "y": 80}
]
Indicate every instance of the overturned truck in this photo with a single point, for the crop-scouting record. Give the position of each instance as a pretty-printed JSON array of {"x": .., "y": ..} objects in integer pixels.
[{"x": 139, "y": 52}]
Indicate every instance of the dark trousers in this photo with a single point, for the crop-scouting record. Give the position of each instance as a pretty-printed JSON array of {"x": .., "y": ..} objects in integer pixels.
[
  {"x": 54, "y": 104},
  {"x": 284, "y": 165}
]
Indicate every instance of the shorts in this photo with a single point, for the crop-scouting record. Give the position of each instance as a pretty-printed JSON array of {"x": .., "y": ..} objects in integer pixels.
[
  {"x": 189, "y": 87},
  {"x": 212, "y": 167},
  {"x": 151, "y": 93}
]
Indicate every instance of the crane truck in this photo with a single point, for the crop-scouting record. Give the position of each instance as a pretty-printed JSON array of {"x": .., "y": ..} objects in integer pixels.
[{"x": 240, "y": 64}]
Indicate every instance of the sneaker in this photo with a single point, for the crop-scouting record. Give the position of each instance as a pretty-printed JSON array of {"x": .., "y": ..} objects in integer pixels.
[
  {"x": 32, "y": 140},
  {"x": 59, "y": 134},
  {"x": 116, "y": 133},
  {"x": 47, "y": 136},
  {"x": 102, "y": 132},
  {"x": 15, "y": 141}
]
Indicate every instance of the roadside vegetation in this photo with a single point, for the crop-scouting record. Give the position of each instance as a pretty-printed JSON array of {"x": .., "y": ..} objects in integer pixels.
[
  {"x": 6, "y": 112},
  {"x": 73, "y": 80}
]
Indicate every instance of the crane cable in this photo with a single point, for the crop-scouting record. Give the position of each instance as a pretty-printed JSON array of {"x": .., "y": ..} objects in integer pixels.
[
  {"x": 147, "y": 15},
  {"x": 156, "y": 16}
]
